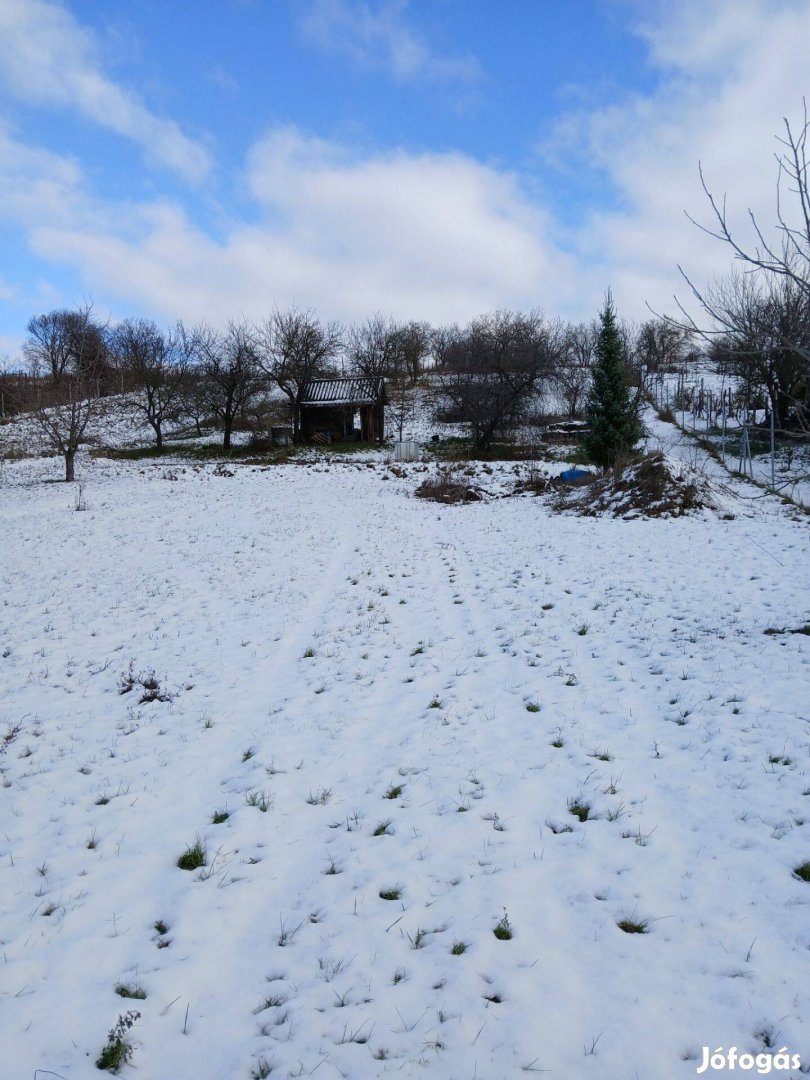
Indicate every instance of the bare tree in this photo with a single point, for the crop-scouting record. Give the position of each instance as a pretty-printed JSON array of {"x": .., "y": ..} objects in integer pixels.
[
  {"x": 60, "y": 343},
  {"x": 782, "y": 266},
  {"x": 15, "y": 388},
  {"x": 195, "y": 399},
  {"x": 661, "y": 345},
  {"x": 495, "y": 366},
  {"x": 754, "y": 317},
  {"x": 49, "y": 347},
  {"x": 790, "y": 257},
  {"x": 375, "y": 348},
  {"x": 293, "y": 348},
  {"x": 413, "y": 340},
  {"x": 443, "y": 340},
  {"x": 573, "y": 372},
  {"x": 231, "y": 371},
  {"x": 412, "y": 344},
  {"x": 63, "y": 395},
  {"x": 157, "y": 365}
]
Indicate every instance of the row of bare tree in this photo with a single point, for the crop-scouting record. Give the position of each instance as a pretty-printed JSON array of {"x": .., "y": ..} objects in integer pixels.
[{"x": 484, "y": 374}]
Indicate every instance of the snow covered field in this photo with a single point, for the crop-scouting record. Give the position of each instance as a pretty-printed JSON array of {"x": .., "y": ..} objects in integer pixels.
[{"x": 397, "y": 705}]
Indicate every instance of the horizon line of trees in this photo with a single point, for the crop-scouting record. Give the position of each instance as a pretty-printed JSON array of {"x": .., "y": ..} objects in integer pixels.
[{"x": 484, "y": 374}]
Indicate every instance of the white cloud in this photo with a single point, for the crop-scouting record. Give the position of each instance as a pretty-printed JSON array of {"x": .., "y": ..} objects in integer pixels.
[
  {"x": 443, "y": 236},
  {"x": 35, "y": 183},
  {"x": 377, "y": 35},
  {"x": 729, "y": 72},
  {"x": 47, "y": 58},
  {"x": 434, "y": 236}
]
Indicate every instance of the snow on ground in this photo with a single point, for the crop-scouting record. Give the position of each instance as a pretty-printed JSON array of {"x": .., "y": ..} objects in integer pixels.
[
  {"x": 791, "y": 472},
  {"x": 388, "y": 696},
  {"x": 792, "y": 478},
  {"x": 115, "y": 423}
]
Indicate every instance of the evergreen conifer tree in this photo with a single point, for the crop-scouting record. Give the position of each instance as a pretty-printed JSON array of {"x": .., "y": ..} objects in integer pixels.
[{"x": 613, "y": 424}]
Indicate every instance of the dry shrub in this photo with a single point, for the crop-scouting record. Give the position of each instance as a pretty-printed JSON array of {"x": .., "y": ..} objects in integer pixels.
[
  {"x": 639, "y": 487},
  {"x": 261, "y": 441},
  {"x": 536, "y": 483},
  {"x": 447, "y": 486}
]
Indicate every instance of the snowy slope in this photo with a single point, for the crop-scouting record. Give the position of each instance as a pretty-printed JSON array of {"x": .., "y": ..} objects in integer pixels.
[{"x": 324, "y": 639}]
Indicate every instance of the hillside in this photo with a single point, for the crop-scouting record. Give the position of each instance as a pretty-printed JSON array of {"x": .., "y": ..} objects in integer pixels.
[{"x": 395, "y": 727}]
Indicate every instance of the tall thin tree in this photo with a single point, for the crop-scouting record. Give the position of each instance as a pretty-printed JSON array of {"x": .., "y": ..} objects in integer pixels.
[{"x": 612, "y": 414}]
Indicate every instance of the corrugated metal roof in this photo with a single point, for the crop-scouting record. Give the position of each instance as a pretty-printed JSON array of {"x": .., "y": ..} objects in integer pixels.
[{"x": 354, "y": 391}]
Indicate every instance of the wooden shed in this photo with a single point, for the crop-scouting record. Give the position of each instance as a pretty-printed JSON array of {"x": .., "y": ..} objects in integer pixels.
[{"x": 339, "y": 409}]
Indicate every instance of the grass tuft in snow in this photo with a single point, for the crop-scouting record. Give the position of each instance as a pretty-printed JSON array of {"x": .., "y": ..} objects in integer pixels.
[
  {"x": 286, "y": 934},
  {"x": 503, "y": 929},
  {"x": 641, "y": 838},
  {"x": 779, "y": 759},
  {"x": 219, "y": 816},
  {"x": 391, "y": 894},
  {"x": 193, "y": 857},
  {"x": 151, "y": 689},
  {"x": 384, "y": 829},
  {"x": 580, "y": 809},
  {"x": 418, "y": 939},
  {"x": 148, "y": 682},
  {"x": 393, "y": 791},
  {"x": 458, "y": 948},
  {"x": 273, "y": 1002},
  {"x": 260, "y": 799},
  {"x": 128, "y": 990},
  {"x": 557, "y": 828},
  {"x": 118, "y": 1050},
  {"x": 803, "y": 872},
  {"x": 633, "y": 926}
]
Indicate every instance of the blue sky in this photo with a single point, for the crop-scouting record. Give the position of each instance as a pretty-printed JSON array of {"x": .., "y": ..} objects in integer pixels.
[{"x": 429, "y": 159}]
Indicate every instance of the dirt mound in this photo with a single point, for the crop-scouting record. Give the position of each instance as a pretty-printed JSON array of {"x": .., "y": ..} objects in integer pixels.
[{"x": 649, "y": 486}]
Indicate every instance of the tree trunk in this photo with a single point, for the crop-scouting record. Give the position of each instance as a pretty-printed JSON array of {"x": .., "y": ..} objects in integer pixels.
[
  {"x": 158, "y": 439},
  {"x": 296, "y": 411},
  {"x": 226, "y": 438},
  {"x": 70, "y": 457},
  {"x": 484, "y": 440}
]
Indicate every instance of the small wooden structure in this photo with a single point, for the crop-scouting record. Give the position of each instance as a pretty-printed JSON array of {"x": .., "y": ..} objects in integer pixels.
[{"x": 339, "y": 409}]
